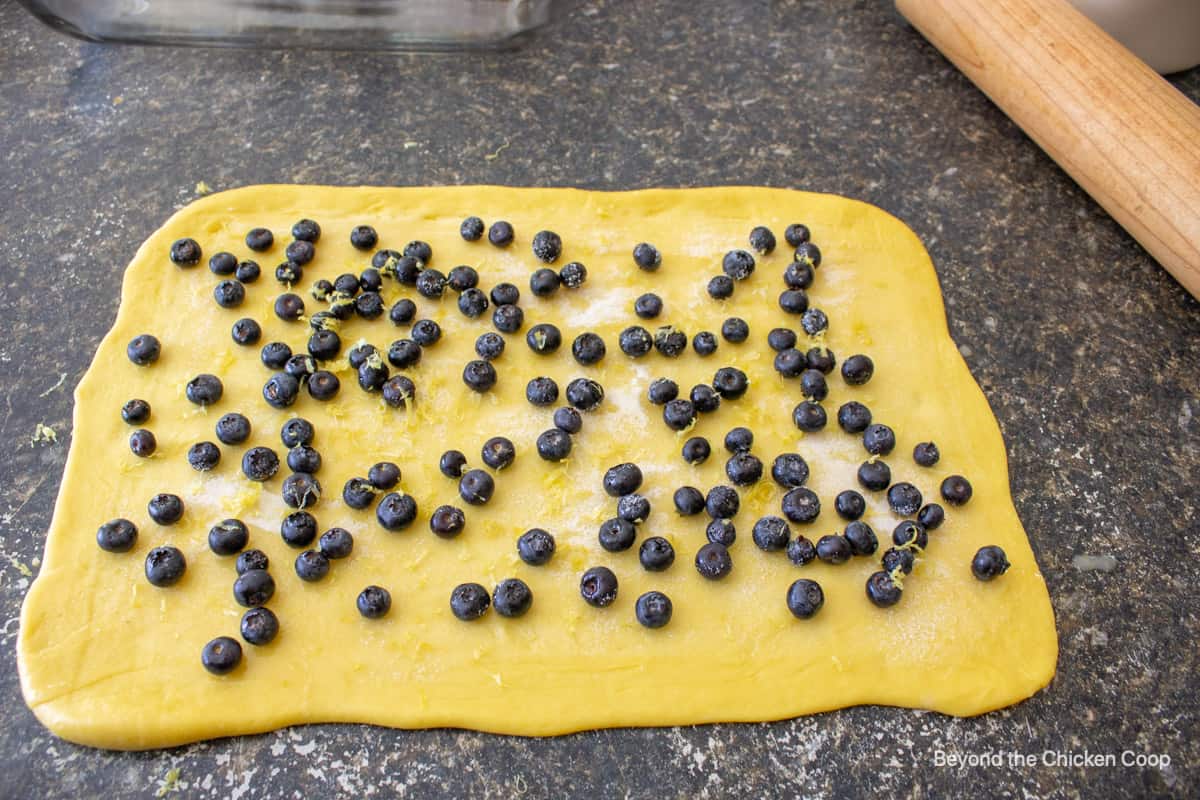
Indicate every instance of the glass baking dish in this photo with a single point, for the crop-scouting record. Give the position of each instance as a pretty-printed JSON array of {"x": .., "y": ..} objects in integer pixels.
[{"x": 320, "y": 24}]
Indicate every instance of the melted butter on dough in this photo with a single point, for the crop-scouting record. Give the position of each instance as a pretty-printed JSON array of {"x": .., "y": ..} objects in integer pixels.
[{"x": 109, "y": 660}]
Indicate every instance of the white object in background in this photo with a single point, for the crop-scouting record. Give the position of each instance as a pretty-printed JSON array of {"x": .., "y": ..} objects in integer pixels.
[{"x": 1163, "y": 33}]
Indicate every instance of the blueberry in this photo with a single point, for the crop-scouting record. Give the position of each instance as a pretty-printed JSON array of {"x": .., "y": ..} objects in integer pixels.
[
  {"x": 821, "y": 359},
  {"x": 653, "y": 609},
  {"x": 396, "y": 511},
  {"x": 635, "y": 341},
  {"x": 498, "y": 452},
  {"x": 479, "y": 375},
  {"x": 813, "y": 385},
  {"x": 472, "y": 302},
  {"x": 762, "y": 240},
  {"x": 505, "y": 294},
  {"x": 300, "y": 252},
  {"x": 363, "y": 237},
  {"x": 738, "y": 264},
  {"x": 384, "y": 475},
  {"x": 471, "y": 229},
  {"x": 771, "y": 533},
  {"x": 289, "y": 307},
  {"x": 229, "y": 293},
  {"x": 374, "y": 602},
  {"x": 298, "y": 529},
  {"x": 501, "y": 234},
  {"x": 882, "y": 589},
  {"x": 431, "y": 283},
  {"x": 780, "y": 339},
  {"x": 790, "y": 363},
  {"x": 809, "y": 416},
  {"x": 688, "y": 501},
  {"x": 323, "y": 385},
  {"x": 808, "y": 253},
  {"x": 117, "y": 536},
  {"x": 289, "y": 272},
  {"x": 568, "y": 420},
  {"x": 369, "y": 305},
  {"x": 508, "y": 318},
  {"x": 401, "y": 354},
  {"x": 722, "y": 502},
  {"x": 909, "y": 531},
  {"x": 260, "y": 239},
  {"x": 926, "y": 454},
  {"x": 931, "y": 516},
  {"x": 670, "y": 341},
  {"x": 989, "y": 562},
  {"x": 857, "y": 370},
  {"x": 679, "y": 414},
  {"x": 402, "y": 312},
  {"x": 489, "y": 346},
  {"x": 324, "y": 345},
  {"x": 796, "y": 234},
  {"x": 358, "y": 493},
  {"x": 306, "y": 230},
  {"x": 647, "y": 257},
  {"x": 336, "y": 543},
  {"x": 850, "y": 505},
  {"x": 573, "y": 275},
  {"x": 260, "y": 463},
  {"x": 713, "y": 561},
  {"x": 805, "y": 598},
  {"x": 406, "y": 269},
  {"x": 735, "y": 330},
  {"x": 739, "y": 440},
  {"x": 311, "y": 566},
  {"x": 275, "y": 354},
  {"x": 878, "y": 439},
  {"x": 142, "y": 443},
  {"x": 704, "y": 398},
  {"x": 143, "y": 349},
  {"x": 535, "y": 547},
  {"x": 259, "y": 626},
  {"x": 541, "y": 391},
  {"x": 222, "y": 263},
  {"x": 904, "y": 499},
  {"x": 447, "y": 521},
  {"x": 554, "y": 445},
  {"x": 221, "y": 655},
  {"x": 476, "y": 487},
  {"x": 622, "y": 479},
  {"x": 633, "y": 508},
  {"x": 469, "y": 601},
  {"x": 165, "y": 509},
  {"x": 656, "y": 554},
  {"x": 956, "y": 490},
  {"x": 801, "y": 505},
  {"x": 662, "y": 391},
  {"x": 730, "y": 383},
  {"x": 854, "y": 417},
  {"x": 814, "y": 321},
  {"x": 801, "y": 551},
  {"x": 789, "y": 470},
  {"x": 135, "y": 412},
  {"x": 616, "y": 535},
  {"x": 246, "y": 332},
  {"x": 696, "y": 450},
  {"x": 321, "y": 291},
  {"x": 874, "y": 475},
  {"x": 598, "y": 587},
  {"x": 896, "y": 558},
  {"x": 834, "y": 549},
  {"x": 426, "y": 332},
  {"x": 419, "y": 250},
  {"x": 345, "y": 284},
  {"x": 512, "y": 597},
  {"x": 297, "y": 432},
  {"x": 648, "y": 306},
  {"x": 793, "y": 301},
  {"x": 185, "y": 252},
  {"x": 543, "y": 338},
  {"x": 301, "y": 490},
  {"x": 743, "y": 469},
  {"x": 203, "y": 456},
  {"x": 543, "y": 282},
  {"x": 462, "y": 277},
  {"x": 370, "y": 280},
  {"x": 720, "y": 287},
  {"x": 452, "y": 464},
  {"x": 704, "y": 343},
  {"x": 300, "y": 366},
  {"x": 253, "y": 588},
  {"x": 281, "y": 390},
  {"x": 862, "y": 539},
  {"x": 585, "y": 394},
  {"x": 251, "y": 559}
]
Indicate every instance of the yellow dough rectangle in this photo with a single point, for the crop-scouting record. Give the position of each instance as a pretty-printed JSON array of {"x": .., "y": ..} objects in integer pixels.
[{"x": 109, "y": 660}]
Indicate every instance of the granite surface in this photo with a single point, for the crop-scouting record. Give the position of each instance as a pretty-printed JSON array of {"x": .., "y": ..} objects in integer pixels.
[{"x": 1087, "y": 350}]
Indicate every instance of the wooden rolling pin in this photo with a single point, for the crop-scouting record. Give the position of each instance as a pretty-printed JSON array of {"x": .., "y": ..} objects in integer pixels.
[{"x": 1128, "y": 137}]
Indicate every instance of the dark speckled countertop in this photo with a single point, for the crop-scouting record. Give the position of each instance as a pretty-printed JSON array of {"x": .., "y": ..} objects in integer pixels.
[{"x": 1087, "y": 350}]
